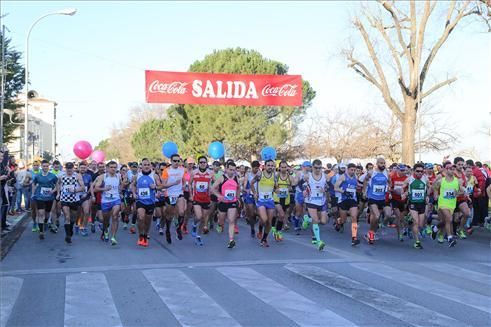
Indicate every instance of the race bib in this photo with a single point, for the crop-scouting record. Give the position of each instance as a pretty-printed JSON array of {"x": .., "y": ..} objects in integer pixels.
[
  {"x": 109, "y": 196},
  {"x": 351, "y": 190},
  {"x": 283, "y": 193},
  {"x": 378, "y": 189},
  {"x": 398, "y": 189},
  {"x": 201, "y": 187},
  {"x": 144, "y": 193},
  {"x": 230, "y": 195},
  {"x": 317, "y": 195},
  {"x": 45, "y": 191},
  {"x": 265, "y": 195},
  {"x": 417, "y": 194},
  {"x": 67, "y": 189},
  {"x": 449, "y": 194},
  {"x": 173, "y": 199}
]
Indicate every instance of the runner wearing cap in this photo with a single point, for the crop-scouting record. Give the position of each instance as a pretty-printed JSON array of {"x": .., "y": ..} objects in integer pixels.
[{"x": 300, "y": 212}]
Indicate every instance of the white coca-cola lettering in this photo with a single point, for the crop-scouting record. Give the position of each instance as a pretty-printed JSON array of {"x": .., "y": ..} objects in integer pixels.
[
  {"x": 286, "y": 90},
  {"x": 168, "y": 88},
  {"x": 229, "y": 90}
]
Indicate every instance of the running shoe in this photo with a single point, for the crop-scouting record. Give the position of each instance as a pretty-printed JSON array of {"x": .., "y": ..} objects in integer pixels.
[
  {"x": 193, "y": 230},
  {"x": 157, "y": 226},
  {"x": 314, "y": 240},
  {"x": 167, "y": 236},
  {"x": 92, "y": 227},
  {"x": 236, "y": 229},
  {"x": 273, "y": 231},
  {"x": 132, "y": 229},
  {"x": 428, "y": 230},
  {"x": 125, "y": 226},
  {"x": 305, "y": 223},
  {"x": 77, "y": 229},
  {"x": 461, "y": 234},
  {"x": 231, "y": 244},
  {"x": 370, "y": 237},
  {"x": 113, "y": 241},
  {"x": 452, "y": 242},
  {"x": 184, "y": 229},
  {"x": 106, "y": 236},
  {"x": 417, "y": 245},
  {"x": 400, "y": 237},
  {"x": 259, "y": 235},
  {"x": 161, "y": 231},
  {"x": 205, "y": 230},
  {"x": 84, "y": 232},
  {"x": 179, "y": 234},
  {"x": 35, "y": 228},
  {"x": 355, "y": 241},
  {"x": 53, "y": 229},
  {"x": 404, "y": 231},
  {"x": 264, "y": 244},
  {"x": 440, "y": 237},
  {"x": 286, "y": 227},
  {"x": 253, "y": 233},
  {"x": 321, "y": 245},
  {"x": 219, "y": 228},
  {"x": 279, "y": 237},
  {"x": 140, "y": 241},
  {"x": 145, "y": 242},
  {"x": 198, "y": 241}
]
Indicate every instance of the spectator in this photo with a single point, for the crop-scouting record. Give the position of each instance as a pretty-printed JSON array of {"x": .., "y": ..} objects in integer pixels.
[
  {"x": 4, "y": 193},
  {"x": 11, "y": 186},
  {"x": 22, "y": 180}
]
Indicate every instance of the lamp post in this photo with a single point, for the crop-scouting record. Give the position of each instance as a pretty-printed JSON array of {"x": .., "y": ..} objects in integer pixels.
[{"x": 67, "y": 12}]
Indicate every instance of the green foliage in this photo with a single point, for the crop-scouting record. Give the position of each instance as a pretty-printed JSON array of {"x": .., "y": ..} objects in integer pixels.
[
  {"x": 107, "y": 147},
  {"x": 13, "y": 85},
  {"x": 244, "y": 129}
]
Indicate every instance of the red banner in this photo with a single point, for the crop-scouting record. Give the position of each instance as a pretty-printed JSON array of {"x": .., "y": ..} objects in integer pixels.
[{"x": 223, "y": 89}]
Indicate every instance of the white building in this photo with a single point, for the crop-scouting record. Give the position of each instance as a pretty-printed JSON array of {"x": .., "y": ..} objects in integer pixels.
[{"x": 41, "y": 129}]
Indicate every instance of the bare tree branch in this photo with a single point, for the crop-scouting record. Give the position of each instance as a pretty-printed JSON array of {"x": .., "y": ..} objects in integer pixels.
[{"x": 437, "y": 86}]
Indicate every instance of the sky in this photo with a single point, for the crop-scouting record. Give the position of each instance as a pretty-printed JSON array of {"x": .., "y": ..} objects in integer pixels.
[{"x": 92, "y": 64}]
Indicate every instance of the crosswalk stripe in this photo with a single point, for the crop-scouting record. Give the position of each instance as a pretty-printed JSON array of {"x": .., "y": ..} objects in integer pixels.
[
  {"x": 291, "y": 304},
  {"x": 88, "y": 301},
  {"x": 393, "y": 306},
  {"x": 9, "y": 291},
  {"x": 187, "y": 302},
  {"x": 428, "y": 285},
  {"x": 459, "y": 272}
]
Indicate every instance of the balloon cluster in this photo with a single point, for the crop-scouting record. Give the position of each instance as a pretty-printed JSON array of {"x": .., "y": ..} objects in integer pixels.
[{"x": 83, "y": 150}]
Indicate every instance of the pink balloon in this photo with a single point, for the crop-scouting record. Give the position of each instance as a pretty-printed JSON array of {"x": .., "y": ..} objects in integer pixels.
[
  {"x": 98, "y": 156},
  {"x": 82, "y": 149}
]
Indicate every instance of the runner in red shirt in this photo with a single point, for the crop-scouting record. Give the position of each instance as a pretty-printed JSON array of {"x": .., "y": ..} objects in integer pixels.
[
  {"x": 200, "y": 184},
  {"x": 398, "y": 204}
]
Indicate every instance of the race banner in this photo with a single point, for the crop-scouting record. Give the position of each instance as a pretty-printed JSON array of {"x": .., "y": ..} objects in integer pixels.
[{"x": 223, "y": 89}]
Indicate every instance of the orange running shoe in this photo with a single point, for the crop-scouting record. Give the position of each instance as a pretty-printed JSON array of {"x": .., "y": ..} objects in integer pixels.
[
  {"x": 145, "y": 242},
  {"x": 140, "y": 241},
  {"x": 259, "y": 235}
]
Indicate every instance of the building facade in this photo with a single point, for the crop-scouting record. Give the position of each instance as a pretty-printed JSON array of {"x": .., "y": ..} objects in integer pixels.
[{"x": 41, "y": 130}]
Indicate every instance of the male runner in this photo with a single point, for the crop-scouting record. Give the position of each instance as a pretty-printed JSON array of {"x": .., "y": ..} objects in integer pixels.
[
  {"x": 173, "y": 180},
  {"x": 44, "y": 190},
  {"x": 200, "y": 195},
  {"x": 263, "y": 194}
]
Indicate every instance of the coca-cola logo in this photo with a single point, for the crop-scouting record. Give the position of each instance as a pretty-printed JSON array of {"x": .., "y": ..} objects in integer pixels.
[
  {"x": 167, "y": 88},
  {"x": 286, "y": 90}
]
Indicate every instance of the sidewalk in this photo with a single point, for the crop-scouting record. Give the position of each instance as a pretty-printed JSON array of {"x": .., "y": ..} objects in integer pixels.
[{"x": 17, "y": 224}]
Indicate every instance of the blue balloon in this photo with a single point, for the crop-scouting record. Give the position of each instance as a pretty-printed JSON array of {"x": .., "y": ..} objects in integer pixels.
[
  {"x": 268, "y": 153},
  {"x": 169, "y": 148},
  {"x": 216, "y": 150}
]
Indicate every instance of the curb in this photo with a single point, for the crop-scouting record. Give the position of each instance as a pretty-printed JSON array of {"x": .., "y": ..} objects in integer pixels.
[{"x": 10, "y": 238}]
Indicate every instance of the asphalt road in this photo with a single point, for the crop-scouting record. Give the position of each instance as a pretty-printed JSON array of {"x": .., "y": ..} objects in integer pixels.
[{"x": 91, "y": 283}]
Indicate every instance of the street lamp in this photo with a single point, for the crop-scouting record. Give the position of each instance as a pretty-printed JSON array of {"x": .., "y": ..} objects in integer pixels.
[{"x": 67, "y": 12}]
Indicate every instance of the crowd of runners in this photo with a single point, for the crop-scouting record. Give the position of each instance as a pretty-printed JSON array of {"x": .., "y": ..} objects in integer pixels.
[{"x": 182, "y": 196}]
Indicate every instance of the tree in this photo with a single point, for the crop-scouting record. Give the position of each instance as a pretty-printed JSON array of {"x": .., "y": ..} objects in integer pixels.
[
  {"x": 401, "y": 53},
  {"x": 14, "y": 83},
  {"x": 119, "y": 144},
  {"x": 364, "y": 135},
  {"x": 244, "y": 129}
]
